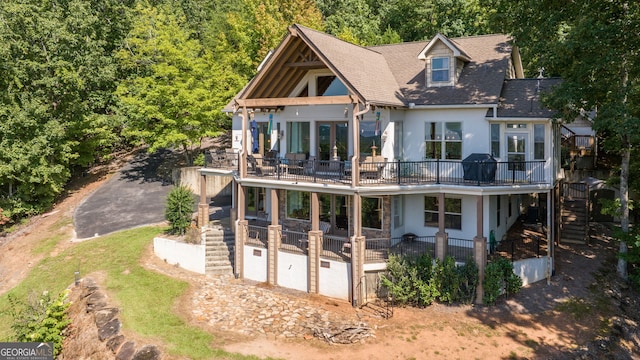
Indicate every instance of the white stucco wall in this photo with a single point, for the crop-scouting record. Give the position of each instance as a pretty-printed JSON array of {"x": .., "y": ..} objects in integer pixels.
[
  {"x": 188, "y": 256},
  {"x": 414, "y": 218},
  {"x": 292, "y": 271},
  {"x": 335, "y": 280},
  {"x": 531, "y": 270},
  {"x": 255, "y": 266}
]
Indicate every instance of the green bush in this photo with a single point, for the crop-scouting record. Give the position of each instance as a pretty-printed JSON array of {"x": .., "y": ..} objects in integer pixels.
[
  {"x": 41, "y": 319},
  {"x": 179, "y": 209},
  {"x": 198, "y": 160},
  {"x": 410, "y": 280},
  {"x": 499, "y": 279},
  {"x": 419, "y": 281},
  {"x": 456, "y": 284}
]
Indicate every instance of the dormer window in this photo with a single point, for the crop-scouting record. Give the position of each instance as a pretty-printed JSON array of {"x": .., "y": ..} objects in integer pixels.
[{"x": 440, "y": 69}]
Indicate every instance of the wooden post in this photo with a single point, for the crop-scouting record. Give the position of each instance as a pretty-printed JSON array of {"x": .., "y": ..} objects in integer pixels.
[
  {"x": 480, "y": 249},
  {"x": 355, "y": 159},
  {"x": 442, "y": 238}
]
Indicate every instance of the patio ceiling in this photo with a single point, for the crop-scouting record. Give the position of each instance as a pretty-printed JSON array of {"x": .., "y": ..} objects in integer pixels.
[{"x": 282, "y": 73}]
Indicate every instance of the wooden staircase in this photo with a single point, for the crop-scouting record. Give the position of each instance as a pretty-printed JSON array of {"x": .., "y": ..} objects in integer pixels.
[
  {"x": 574, "y": 227},
  {"x": 219, "y": 252}
]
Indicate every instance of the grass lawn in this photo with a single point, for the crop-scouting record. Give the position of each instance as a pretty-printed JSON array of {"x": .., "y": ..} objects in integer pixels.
[{"x": 146, "y": 297}]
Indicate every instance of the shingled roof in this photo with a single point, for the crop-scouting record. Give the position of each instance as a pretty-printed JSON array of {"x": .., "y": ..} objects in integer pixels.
[
  {"x": 521, "y": 98},
  {"x": 387, "y": 75}
]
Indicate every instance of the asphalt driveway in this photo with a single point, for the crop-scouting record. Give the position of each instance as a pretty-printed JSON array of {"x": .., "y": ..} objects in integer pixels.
[{"x": 135, "y": 196}]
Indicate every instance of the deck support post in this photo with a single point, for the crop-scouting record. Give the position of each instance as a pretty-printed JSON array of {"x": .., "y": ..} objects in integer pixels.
[
  {"x": 241, "y": 238},
  {"x": 203, "y": 206},
  {"x": 442, "y": 238},
  {"x": 358, "y": 283},
  {"x": 480, "y": 249},
  {"x": 315, "y": 248},
  {"x": 273, "y": 244}
]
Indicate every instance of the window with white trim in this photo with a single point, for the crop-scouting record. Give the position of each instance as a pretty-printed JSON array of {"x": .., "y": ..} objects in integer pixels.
[
  {"x": 495, "y": 140},
  {"x": 440, "y": 69},
  {"x": 538, "y": 142},
  {"x": 443, "y": 140}
]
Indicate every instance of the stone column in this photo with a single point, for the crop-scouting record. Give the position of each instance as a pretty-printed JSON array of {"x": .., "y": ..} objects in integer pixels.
[
  {"x": 203, "y": 206},
  {"x": 315, "y": 248},
  {"x": 275, "y": 237},
  {"x": 480, "y": 249},
  {"x": 241, "y": 238},
  {"x": 358, "y": 289},
  {"x": 442, "y": 244}
]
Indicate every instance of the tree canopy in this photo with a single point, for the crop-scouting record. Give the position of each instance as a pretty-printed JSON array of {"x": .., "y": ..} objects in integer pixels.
[{"x": 594, "y": 46}]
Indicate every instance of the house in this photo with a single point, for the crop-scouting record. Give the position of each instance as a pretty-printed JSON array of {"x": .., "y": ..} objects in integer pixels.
[{"x": 346, "y": 154}]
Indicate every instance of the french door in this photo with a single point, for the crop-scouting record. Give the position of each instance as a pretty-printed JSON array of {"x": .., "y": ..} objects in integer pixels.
[{"x": 332, "y": 134}]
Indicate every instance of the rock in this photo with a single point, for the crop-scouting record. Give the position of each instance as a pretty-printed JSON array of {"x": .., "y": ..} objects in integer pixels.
[
  {"x": 110, "y": 329},
  {"x": 149, "y": 352},
  {"x": 126, "y": 351},
  {"x": 96, "y": 301},
  {"x": 114, "y": 343},
  {"x": 105, "y": 315}
]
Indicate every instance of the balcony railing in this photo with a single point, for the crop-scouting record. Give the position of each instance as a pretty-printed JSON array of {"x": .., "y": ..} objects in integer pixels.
[
  {"x": 402, "y": 172},
  {"x": 338, "y": 248}
]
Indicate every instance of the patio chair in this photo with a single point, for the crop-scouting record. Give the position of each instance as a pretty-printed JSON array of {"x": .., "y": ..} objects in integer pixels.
[{"x": 260, "y": 167}]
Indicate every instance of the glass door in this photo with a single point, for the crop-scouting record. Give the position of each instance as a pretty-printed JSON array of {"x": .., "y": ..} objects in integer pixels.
[
  {"x": 335, "y": 210},
  {"x": 332, "y": 134},
  {"x": 516, "y": 151}
]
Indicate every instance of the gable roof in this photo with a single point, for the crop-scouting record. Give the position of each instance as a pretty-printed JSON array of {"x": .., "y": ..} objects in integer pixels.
[
  {"x": 521, "y": 98},
  {"x": 386, "y": 75},
  {"x": 457, "y": 51}
]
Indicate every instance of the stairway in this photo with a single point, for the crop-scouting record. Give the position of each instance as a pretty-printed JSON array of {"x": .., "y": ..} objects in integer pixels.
[
  {"x": 219, "y": 252},
  {"x": 574, "y": 227}
]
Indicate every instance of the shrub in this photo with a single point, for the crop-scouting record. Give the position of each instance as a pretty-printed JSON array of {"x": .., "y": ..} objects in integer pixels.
[
  {"x": 499, "y": 279},
  {"x": 41, "y": 319},
  {"x": 410, "y": 280},
  {"x": 456, "y": 284},
  {"x": 179, "y": 209}
]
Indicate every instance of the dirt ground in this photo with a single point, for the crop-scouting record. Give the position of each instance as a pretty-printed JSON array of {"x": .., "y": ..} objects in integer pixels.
[{"x": 544, "y": 321}]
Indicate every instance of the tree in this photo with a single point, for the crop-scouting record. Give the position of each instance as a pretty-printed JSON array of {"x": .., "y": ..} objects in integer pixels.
[
  {"x": 422, "y": 20},
  {"x": 56, "y": 95},
  {"x": 594, "y": 45},
  {"x": 177, "y": 91}
]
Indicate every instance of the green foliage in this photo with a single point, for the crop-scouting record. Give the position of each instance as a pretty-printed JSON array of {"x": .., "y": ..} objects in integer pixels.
[
  {"x": 457, "y": 284},
  {"x": 409, "y": 280},
  {"x": 613, "y": 207},
  {"x": 56, "y": 95},
  {"x": 418, "y": 281},
  {"x": 499, "y": 279},
  {"x": 179, "y": 209},
  {"x": 177, "y": 91},
  {"x": 42, "y": 318},
  {"x": 632, "y": 257}
]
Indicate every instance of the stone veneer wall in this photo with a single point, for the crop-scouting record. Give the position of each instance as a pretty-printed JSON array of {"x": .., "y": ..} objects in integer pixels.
[{"x": 108, "y": 325}]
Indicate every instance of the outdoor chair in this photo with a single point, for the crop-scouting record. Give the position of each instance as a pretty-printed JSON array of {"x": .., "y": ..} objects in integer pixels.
[{"x": 260, "y": 167}]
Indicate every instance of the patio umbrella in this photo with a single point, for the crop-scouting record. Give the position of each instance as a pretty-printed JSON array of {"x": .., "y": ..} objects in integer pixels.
[{"x": 254, "y": 135}]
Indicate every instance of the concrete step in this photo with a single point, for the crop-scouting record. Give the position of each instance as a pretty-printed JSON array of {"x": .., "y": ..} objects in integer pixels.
[{"x": 219, "y": 270}]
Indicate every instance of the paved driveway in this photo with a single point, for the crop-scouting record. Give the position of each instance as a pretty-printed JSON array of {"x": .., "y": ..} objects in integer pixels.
[{"x": 135, "y": 196}]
